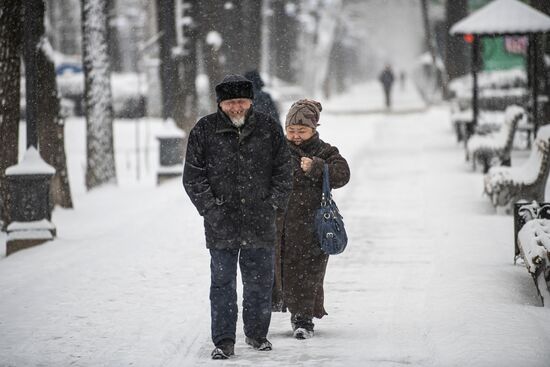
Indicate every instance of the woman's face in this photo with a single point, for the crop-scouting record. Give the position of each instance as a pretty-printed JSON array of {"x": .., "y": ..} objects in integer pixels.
[{"x": 297, "y": 134}]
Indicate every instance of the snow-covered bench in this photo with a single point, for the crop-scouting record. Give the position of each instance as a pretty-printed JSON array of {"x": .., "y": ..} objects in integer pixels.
[
  {"x": 506, "y": 185},
  {"x": 533, "y": 244},
  {"x": 487, "y": 122},
  {"x": 494, "y": 149}
]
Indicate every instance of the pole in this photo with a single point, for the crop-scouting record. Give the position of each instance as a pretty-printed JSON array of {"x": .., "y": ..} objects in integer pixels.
[
  {"x": 534, "y": 83},
  {"x": 475, "y": 69},
  {"x": 138, "y": 163},
  {"x": 32, "y": 82}
]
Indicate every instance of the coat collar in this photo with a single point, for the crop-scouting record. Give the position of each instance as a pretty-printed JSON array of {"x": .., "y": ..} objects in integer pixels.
[
  {"x": 305, "y": 149},
  {"x": 224, "y": 124}
]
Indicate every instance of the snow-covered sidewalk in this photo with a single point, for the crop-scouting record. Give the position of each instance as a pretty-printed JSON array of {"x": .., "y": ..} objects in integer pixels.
[
  {"x": 369, "y": 98},
  {"x": 427, "y": 280}
]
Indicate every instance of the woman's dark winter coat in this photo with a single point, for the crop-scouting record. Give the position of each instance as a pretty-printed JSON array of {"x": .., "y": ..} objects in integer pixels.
[
  {"x": 237, "y": 177},
  {"x": 300, "y": 264}
]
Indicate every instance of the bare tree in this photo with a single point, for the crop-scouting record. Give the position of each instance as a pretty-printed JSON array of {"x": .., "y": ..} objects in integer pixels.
[
  {"x": 317, "y": 48},
  {"x": 113, "y": 44},
  {"x": 283, "y": 36},
  {"x": 43, "y": 101},
  {"x": 430, "y": 43},
  {"x": 10, "y": 65},
  {"x": 211, "y": 41},
  {"x": 241, "y": 24},
  {"x": 252, "y": 32},
  {"x": 187, "y": 38},
  {"x": 169, "y": 74},
  {"x": 100, "y": 163},
  {"x": 63, "y": 25}
]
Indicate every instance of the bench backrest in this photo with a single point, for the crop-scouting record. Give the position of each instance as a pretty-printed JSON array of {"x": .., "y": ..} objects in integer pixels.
[
  {"x": 536, "y": 167},
  {"x": 524, "y": 212},
  {"x": 513, "y": 115}
]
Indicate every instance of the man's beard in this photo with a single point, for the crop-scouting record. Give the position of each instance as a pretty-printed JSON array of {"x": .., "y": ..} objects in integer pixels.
[{"x": 238, "y": 121}]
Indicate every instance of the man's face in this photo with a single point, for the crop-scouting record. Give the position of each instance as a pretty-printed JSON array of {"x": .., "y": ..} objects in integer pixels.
[
  {"x": 236, "y": 108},
  {"x": 299, "y": 133}
]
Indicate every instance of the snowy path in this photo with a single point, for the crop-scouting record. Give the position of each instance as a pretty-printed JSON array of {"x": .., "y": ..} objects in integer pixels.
[{"x": 427, "y": 279}]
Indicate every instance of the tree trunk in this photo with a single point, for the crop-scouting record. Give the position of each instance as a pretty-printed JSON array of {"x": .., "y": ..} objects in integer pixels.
[
  {"x": 10, "y": 65},
  {"x": 113, "y": 43},
  {"x": 241, "y": 29},
  {"x": 252, "y": 31},
  {"x": 100, "y": 163},
  {"x": 43, "y": 98},
  {"x": 315, "y": 71},
  {"x": 283, "y": 36},
  {"x": 430, "y": 43},
  {"x": 210, "y": 15},
  {"x": 64, "y": 32},
  {"x": 169, "y": 78},
  {"x": 455, "y": 50},
  {"x": 230, "y": 25},
  {"x": 190, "y": 33}
]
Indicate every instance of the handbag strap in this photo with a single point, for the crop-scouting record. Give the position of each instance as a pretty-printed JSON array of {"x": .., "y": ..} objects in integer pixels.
[{"x": 326, "y": 197}]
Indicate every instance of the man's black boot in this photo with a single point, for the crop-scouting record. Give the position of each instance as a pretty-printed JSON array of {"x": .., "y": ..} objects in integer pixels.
[{"x": 224, "y": 349}]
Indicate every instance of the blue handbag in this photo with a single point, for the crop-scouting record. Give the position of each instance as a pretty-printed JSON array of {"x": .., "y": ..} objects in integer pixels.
[{"x": 329, "y": 224}]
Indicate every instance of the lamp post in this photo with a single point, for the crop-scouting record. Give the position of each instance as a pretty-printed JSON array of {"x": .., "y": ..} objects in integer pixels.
[
  {"x": 28, "y": 199},
  {"x": 29, "y": 202},
  {"x": 170, "y": 151}
]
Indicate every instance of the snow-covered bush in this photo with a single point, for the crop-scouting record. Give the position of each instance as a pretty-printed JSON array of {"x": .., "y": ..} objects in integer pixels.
[{"x": 129, "y": 94}]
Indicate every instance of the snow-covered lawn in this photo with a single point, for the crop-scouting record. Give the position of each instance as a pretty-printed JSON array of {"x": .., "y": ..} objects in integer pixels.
[{"x": 427, "y": 280}]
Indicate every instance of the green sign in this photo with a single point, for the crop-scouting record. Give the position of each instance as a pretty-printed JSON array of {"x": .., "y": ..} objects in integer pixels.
[
  {"x": 497, "y": 54},
  {"x": 473, "y": 5}
]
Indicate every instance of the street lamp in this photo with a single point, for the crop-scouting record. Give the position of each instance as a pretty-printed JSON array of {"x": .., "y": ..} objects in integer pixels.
[{"x": 29, "y": 206}]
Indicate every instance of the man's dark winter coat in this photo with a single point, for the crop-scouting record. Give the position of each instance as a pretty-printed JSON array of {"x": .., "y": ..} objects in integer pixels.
[
  {"x": 237, "y": 177},
  {"x": 300, "y": 265},
  {"x": 386, "y": 78}
]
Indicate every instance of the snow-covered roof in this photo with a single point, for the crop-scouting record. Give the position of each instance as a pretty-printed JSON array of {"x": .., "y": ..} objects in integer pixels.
[{"x": 503, "y": 17}]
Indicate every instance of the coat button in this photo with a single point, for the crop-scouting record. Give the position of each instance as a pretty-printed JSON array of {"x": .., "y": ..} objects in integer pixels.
[{"x": 243, "y": 201}]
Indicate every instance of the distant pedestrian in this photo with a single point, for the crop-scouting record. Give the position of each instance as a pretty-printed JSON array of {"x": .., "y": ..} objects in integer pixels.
[
  {"x": 402, "y": 79},
  {"x": 386, "y": 78},
  {"x": 262, "y": 99},
  {"x": 301, "y": 264},
  {"x": 237, "y": 173}
]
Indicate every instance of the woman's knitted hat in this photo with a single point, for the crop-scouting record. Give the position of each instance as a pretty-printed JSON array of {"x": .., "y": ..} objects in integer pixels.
[{"x": 304, "y": 112}]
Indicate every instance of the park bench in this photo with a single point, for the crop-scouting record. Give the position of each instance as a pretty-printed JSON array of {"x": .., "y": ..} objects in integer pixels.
[
  {"x": 532, "y": 243},
  {"x": 488, "y": 121},
  {"x": 495, "y": 148},
  {"x": 496, "y": 91},
  {"x": 506, "y": 185}
]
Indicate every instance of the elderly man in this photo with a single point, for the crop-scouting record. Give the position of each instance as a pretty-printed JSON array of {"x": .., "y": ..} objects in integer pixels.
[{"x": 237, "y": 173}]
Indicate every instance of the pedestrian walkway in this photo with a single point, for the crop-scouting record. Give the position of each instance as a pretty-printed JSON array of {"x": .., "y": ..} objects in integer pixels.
[
  {"x": 368, "y": 98},
  {"x": 427, "y": 279}
]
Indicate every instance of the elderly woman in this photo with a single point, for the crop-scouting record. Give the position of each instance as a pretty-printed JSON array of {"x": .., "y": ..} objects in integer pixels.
[{"x": 300, "y": 264}]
